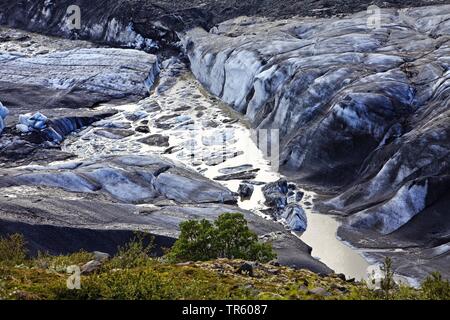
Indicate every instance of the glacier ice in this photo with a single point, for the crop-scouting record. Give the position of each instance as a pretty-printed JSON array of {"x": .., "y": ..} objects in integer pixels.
[{"x": 3, "y": 114}]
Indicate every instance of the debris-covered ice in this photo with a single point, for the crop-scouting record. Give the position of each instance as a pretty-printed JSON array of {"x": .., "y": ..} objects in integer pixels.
[
  {"x": 3, "y": 114},
  {"x": 29, "y": 122}
]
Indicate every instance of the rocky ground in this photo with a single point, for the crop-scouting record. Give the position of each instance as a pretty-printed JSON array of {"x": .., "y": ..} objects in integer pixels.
[{"x": 362, "y": 112}]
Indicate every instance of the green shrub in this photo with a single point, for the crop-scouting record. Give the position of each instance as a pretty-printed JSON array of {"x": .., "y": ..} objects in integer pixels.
[
  {"x": 134, "y": 254},
  {"x": 60, "y": 263},
  {"x": 229, "y": 237},
  {"x": 387, "y": 284},
  {"x": 13, "y": 250},
  {"x": 435, "y": 288}
]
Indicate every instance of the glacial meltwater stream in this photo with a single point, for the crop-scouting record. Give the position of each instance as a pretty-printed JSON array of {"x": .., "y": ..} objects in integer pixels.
[{"x": 180, "y": 120}]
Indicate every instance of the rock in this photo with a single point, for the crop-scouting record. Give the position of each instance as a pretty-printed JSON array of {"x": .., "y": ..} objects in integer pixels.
[
  {"x": 319, "y": 292},
  {"x": 295, "y": 217},
  {"x": 91, "y": 267},
  {"x": 237, "y": 169},
  {"x": 114, "y": 134},
  {"x": 182, "y": 108},
  {"x": 342, "y": 289},
  {"x": 243, "y": 175},
  {"x": 101, "y": 256},
  {"x": 254, "y": 183},
  {"x": 135, "y": 116},
  {"x": 303, "y": 289},
  {"x": 341, "y": 276},
  {"x": 216, "y": 158},
  {"x": 280, "y": 186},
  {"x": 230, "y": 121},
  {"x": 143, "y": 129},
  {"x": 246, "y": 269},
  {"x": 157, "y": 140},
  {"x": 299, "y": 196},
  {"x": 274, "y": 263},
  {"x": 275, "y": 194},
  {"x": 274, "y": 271},
  {"x": 246, "y": 190},
  {"x": 112, "y": 124},
  {"x": 276, "y": 200},
  {"x": 173, "y": 149}
]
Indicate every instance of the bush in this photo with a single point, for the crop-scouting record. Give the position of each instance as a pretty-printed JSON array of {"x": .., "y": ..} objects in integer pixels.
[
  {"x": 134, "y": 254},
  {"x": 387, "y": 283},
  {"x": 229, "y": 237},
  {"x": 60, "y": 263},
  {"x": 435, "y": 288},
  {"x": 13, "y": 250}
]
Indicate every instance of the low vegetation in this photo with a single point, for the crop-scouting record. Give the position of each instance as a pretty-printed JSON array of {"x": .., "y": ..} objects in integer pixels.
[
  {"x": 228, "y": 237},
  {"x": 134, "y": 274}
]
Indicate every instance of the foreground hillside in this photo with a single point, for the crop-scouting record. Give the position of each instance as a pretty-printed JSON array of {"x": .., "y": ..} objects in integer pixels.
[{"x": 134, "y": 275}]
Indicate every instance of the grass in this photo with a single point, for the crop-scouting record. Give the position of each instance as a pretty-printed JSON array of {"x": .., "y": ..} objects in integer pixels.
[{"x": 134, "y": 275}]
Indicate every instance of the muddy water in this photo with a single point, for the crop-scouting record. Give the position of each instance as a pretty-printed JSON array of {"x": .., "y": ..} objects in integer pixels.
[{"x": 194, "y": 123}]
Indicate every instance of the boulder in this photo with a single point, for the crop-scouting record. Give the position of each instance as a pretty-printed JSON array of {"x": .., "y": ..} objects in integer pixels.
[
  {"x": 299, "y": 195},
  {"x": 246, "y": 269},
  {"x": 114, "y": 134},
  {"x": 280, "y": 186},
  {"x": 157, "y": 140},
  {"x": 246, "y": 190},
  {"x": 242, "y": 175},
  {"x": 91, "y": 267},
  {"x": 319, "y": 291},
  {"x": 276, "y": 200},
  {"x": 101, "y": 256},
  {"x": 143, "y": 129},
  {"x": 295, "y": 217},
  {"x": 276, "y": 193}
]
